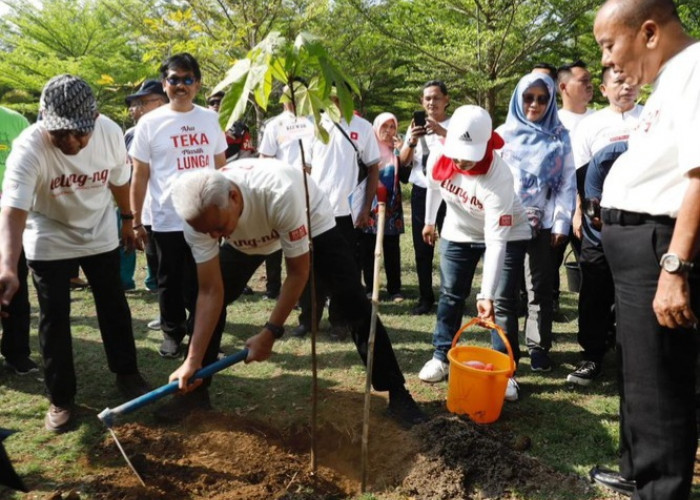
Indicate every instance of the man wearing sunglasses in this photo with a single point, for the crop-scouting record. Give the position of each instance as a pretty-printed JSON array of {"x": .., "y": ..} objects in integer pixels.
[
  {"x": 174, "y": 139},
  {"x": 63, "y": 175}
]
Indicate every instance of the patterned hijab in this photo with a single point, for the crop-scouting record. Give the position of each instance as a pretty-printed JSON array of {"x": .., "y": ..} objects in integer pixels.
[{"x": 539, "y": 148}]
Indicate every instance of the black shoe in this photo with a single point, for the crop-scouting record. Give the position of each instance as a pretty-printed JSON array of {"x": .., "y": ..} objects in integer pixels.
[
  {"x": 300, "y": 331},
  {"x": 422, "y": 308},
  {"x": 612, "y": 480},
  {"x": 585, "y": 372},
  {"x": 169, "y": 348},
  {"x": 22, "y": 366},
  {"x": 339, "y": 332},
  {"x": 247, "y": 290},
  {"x": 180, "y": 406},
  {"x": 403, "y": 408},
  {"x": 58, "y": 418},
  {"x": 539, "y": 361},
  {"x": 132, "y": 385}
]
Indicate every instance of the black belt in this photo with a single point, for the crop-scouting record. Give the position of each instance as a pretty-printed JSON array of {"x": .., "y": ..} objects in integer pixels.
[{"x": 625, "y": 218}]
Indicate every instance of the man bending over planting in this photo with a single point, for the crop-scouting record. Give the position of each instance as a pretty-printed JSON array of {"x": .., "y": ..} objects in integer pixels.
[{"x": 258, "y": 206}]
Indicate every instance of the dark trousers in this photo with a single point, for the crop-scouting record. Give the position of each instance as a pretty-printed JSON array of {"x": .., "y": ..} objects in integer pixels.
[
  {"x": 657, "y": 369},
  {"x": 273, "y": 273},
  {"x": 335, "y": 267},
  {"x": 595, "y": 302},
  {"x": 151, "y": 253},
  {"x": 423, "y": 252},
  {"x": 52, "y": 283},
  {"x": 177, "y": 283},
  {"x": 15, "y": 327},
  {"x": 391, "y": 251},
  {"x": 558, "y": 254},
  {"x": 349, "y": 235}
]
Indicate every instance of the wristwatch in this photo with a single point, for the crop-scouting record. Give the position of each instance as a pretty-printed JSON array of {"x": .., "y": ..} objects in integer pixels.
[
  {"x": 672, "y": 264},
  {"x": 276, "y": 330}
]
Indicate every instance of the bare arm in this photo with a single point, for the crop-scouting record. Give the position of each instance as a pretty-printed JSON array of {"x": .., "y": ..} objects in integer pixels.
[
  {"x": 210, "y": 301},
  {"x": 139, "y": 184},
  {"x": 372, "y": 181},
  {"x": 121, "y": 197},
  {"x": 672, "y": 300},
  {"x": 12, "y": 223},
  {"x": 260, "y": 345},
  {"x": 220, "y": 160}
]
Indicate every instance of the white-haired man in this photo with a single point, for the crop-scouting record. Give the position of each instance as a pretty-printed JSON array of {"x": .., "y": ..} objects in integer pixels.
[{"x": 258, "y": 206}]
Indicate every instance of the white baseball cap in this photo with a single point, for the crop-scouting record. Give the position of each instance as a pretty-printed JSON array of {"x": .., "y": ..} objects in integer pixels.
[{"x": 468, "y": 134}]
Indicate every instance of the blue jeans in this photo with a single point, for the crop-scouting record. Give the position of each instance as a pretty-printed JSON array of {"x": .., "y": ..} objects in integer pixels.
[
  {"x": 506, "y": 300},
  {"x": 457, "y": 266}
]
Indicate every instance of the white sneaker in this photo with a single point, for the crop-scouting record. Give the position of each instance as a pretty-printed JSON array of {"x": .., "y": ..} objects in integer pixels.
[
  {"x": 154, "y": 325},
  {"x": 512, "y": 390},
  {"x": 434, "y": 371}
]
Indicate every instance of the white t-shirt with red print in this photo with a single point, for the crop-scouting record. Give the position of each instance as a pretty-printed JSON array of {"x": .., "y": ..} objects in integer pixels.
[
  {"x": 174, "y": 143},
  {"x": 274, "y": 211},
  {"x": 68, "y": 198},
  {"x": 334, "y": 165}
]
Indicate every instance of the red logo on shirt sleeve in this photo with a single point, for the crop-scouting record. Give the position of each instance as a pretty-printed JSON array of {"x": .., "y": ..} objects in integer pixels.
[
  {"x": 505, "y": 220},
  {"x": 354, "y": 136},
  {"x": 297, "y": 233}
]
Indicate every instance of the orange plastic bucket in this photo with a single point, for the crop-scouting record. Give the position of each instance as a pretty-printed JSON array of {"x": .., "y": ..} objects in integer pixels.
[{"x": 474, "y": 392}]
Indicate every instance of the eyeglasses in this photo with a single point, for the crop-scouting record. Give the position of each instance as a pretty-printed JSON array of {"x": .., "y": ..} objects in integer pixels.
[
  {"x": 214, "y": 103},
  {"x": 542, "y": 100},
  {"x": 144, "y": 102},
  {"x": 175, "y": 80}
]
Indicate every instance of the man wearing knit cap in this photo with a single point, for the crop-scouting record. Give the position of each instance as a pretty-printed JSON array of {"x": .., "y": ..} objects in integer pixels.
[{"x": 62, "y": 176}]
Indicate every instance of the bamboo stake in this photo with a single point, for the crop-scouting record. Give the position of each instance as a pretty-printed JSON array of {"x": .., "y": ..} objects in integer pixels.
[{"x": 381, "y": 213}]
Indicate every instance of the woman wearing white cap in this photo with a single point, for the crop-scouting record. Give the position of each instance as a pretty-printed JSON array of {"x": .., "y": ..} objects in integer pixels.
[{"x": 483, "y": 217}]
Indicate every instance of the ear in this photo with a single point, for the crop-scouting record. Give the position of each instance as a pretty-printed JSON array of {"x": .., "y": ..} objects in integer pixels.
[
  {"x": 561, "y": 86},
  {"x": 650, "y": 32},
  {"x": 601, "y": 87}
]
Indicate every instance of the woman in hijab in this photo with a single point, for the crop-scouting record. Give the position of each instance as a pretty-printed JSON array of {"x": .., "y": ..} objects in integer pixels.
[
  {"x": 484, "y": 217},
  {"x": 385, "y": 126},
  {"x": 538, "y": 151}
]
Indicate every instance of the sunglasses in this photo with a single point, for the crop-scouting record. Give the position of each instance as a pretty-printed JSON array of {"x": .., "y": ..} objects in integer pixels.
[
  {"x": 214, "y": 103},
  {"x": 541, "y": 99},
  {"x": 185, "y": 80}
]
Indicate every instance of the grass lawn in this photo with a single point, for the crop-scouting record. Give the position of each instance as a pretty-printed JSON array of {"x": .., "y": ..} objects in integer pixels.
[{"x": 571, "y": 429}]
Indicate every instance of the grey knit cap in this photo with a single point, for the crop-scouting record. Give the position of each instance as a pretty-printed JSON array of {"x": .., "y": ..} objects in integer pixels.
[{"x": 67, "y": 103}]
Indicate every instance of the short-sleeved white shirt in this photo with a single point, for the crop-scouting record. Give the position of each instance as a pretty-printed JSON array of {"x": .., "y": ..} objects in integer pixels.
[
  {"x": 432, "y": 141},
  {"x": 600, "y": 129},
  {"x": 173, "y": 143},
  {"x": 280, "y": 139},
  {"x": 651, "y": 177},
  {"x": 572, "y": 120},
  {"x": 274, "y": 211},
  {"x": 334, "y": 165},
  {"x": 67, "y": 196}
]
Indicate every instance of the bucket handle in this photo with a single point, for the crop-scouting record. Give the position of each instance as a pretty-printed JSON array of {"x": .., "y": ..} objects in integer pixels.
[{"x": 491, "y": 326}]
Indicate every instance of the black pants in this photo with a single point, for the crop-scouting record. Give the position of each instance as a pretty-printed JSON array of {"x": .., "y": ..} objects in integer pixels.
[
  {"x": 657, "y": 405},
  {"x": 391, "y": 251},
  {"x": 350, "y": 236},
  {"x": 52, "y": 283},
  {"x": 595, "y": 302},
  {"x": 335, "y": 267},
  {"x": 177, "y": 283},
  {"x": 15, "y": 327},
  {"x": 558, "y": 254},
  {"x": 273, "y": 273},
  {"x": 423, "y": 252}
]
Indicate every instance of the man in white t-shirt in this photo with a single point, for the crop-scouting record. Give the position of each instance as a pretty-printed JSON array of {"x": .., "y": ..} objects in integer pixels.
[
  {"x": 259, "y": 206},
  {"x": 169, "y": 141},
  {"x": 334, "y": 168},
  {"x": 651, "y": 228},
  {"x": 63, "y": 174},
  {"x": 421, "y": 139},
  {"x": 576, "y": 91},
  {"x": 283, "y": 138},
  {"x": 606, "y": 126}
]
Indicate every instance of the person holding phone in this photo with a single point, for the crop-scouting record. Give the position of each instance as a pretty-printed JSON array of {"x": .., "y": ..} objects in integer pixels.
[{"x": 427, "y": 129}]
